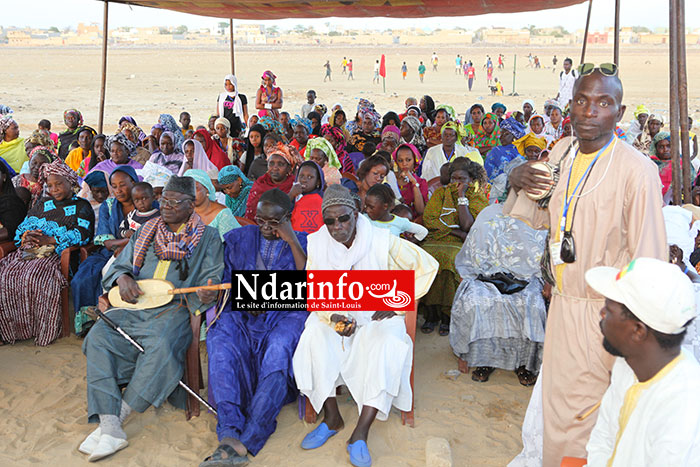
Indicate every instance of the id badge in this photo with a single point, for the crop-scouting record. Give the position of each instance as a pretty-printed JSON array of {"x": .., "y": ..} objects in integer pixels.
[{"x": 555, "y": 253}]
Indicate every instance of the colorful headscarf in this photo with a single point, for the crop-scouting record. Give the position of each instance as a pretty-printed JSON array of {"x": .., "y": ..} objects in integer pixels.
[
  {"x": 5, "y": 123},
  {"x": 417, "y": 127},
  {"x": 77, "y": 114},
  {"x": 120, "y": 138},
  {"x": 321, "y": 109},
  {"x": 60, "y": 168},
  {"x": 288, "y": 153},
  {"x": 128, "y": 118},
  {"x": 269, "y": 74},
  {"x": 305, "y": 122},
  {"x": 324, "y": 145},
  {"x": 449, "y": 109},
  {"x": 202, "y": 177},
  {"x": 513, "y": 127},
  {"x": 169, "y": 124},
  {"x": 48, "y": 153},
  {"x": 230, "y": 174},
  {"x": 42, "y": 138},
  {"x": 135, "y": 131},
  {"x": 660, "y": 136},
  {"x": 456, "y": 126},
  {"x": 482, "y": 139},
  {"x": 641, "y": 109},
  {"x": 340, "y": 144},
  {"x": 416, "y": 153},
  {"x": 392, "y": 129},
  {"x": 270, "y": 124},
  {"x": 498, "y": 105},
  {"x": 528, "y": 140},
  {"x": 155, "y": 174},
  {"x": 532, "y": 117}
]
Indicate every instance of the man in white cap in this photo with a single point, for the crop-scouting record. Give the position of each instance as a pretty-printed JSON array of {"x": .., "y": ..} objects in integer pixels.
[{"x": 650, "y": 414}]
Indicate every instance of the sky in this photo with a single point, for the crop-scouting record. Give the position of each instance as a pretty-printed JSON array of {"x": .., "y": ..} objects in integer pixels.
[{"x": 67, "y": 13}]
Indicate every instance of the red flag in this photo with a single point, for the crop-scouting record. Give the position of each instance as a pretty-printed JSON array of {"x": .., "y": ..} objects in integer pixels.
[{"x": 382, "y": 67}]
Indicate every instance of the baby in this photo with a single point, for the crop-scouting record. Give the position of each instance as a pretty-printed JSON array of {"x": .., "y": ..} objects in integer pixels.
[{"x": 143, "y": 198}]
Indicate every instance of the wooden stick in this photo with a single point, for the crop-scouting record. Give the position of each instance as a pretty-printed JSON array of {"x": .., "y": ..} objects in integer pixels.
[
  {"x": 588, "y": 413},
  {"x": 201, "y": 287}
]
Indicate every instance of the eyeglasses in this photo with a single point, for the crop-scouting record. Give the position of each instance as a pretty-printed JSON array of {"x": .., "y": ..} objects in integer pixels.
[
  {"x": 172, "y": 203},
  {"x": 270, "y": 222},
  {"x": 342, "y": 219},
  {"x": 608, "y": 69}
]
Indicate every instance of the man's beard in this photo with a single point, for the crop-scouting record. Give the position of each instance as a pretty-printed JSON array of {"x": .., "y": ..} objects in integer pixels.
[{"x": 610, "y": 349}]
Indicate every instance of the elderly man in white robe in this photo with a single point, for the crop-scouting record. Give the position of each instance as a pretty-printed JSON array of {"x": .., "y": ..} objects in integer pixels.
[{"x": 372, "y": 355}]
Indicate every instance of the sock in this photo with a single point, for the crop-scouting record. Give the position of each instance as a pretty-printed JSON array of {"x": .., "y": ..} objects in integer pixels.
[
  {"x": 110, "y": 425},
  {"x": 124, "y": 412}
]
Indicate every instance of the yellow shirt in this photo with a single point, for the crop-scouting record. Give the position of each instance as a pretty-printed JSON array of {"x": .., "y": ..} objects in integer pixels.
[{"x": 75, "y": 157}]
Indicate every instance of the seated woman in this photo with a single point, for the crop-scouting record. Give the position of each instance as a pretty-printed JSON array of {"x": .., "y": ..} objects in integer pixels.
[
  {"x": 391, "y": 137},
  {"x": 379, "y": 202},
  {"x": 487, "y": 135},
  {"x": 98, "y": 152},
  {"x": 280, "y": 168},
  {"x": 366, "y": 132},
  {"x": 321, "y": 152},
  {"x": 12, "y": 148},
  {"x": 236, "y": 187},
  {"x": 660, "y": 154},
  {"x": 31, "y": 181},
  {"x": 82, "y": 152},
  {"x": 553, "y": 128},
  {"x": 307, "y": 196},
  {"x": 302, "y": 132},
  {"x": 30, "y": 278},
  {"x": 216, "y": 155},
  {"x": 413, "y": 189},
  {"x": 335, "y": 136},
  {"x": 232, "y": 146},
  {"x": 412, "y": 133},
  {"x": 120, "y": 151},
  {"x": 448, "y": 216},
  {"x": 497, "y": 158},
  {"x": 493, "y": 328},
  {"x": 166, "y": 155},
  {"x": 196, "y": 158},
  {"x": 536, "y": 127},
  {"x": 254, "y": 153},
  {"x": 136, "y": 136},
  {"x": 473, "y": 116},
  {"x": 433, "y": 133},
  {"x": 372, "y": 171},
  {"x": 85, "y": 284},
  {"x": 338, "y": 119},
  {"x": 644, "y": 141},
  {"x": 212, "y": 213},
  {"x": 448, "y": 151}
]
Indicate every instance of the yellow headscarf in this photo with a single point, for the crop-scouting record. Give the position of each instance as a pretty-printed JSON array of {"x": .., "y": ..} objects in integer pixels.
[{"x": 528, "y": 140}]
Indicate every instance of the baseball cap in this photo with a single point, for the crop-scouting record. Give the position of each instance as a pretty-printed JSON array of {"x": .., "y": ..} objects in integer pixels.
[{"x": 655, "y": 291}]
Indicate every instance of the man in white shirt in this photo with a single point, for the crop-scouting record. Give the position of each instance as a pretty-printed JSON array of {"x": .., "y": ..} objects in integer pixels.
[
  {"x": 310, "y": 103},
  {"x": 650, "y": 414},
  {"x": 567, "y": 78}
]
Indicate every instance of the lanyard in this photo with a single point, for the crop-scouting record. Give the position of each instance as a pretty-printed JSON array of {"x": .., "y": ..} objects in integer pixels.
[
  {"x": 567, "y": 201},
  {"x": 451, "y": 154}
]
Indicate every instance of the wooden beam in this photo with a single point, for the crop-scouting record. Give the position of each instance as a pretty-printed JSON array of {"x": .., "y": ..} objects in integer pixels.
[
  {"x": 105, "y": 33},
  {"x": 585, "y": 33}
]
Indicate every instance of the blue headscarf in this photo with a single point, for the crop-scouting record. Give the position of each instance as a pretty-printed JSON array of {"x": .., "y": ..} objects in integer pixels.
[
  {"x": 127, "y": 169},
  {"x": 497, "y": 105},
  {"x": 201, "y": 176},
  {"x": 305, "y": 122},
  {"x": 514, "y": 127},
  {"x": 169, "y": 124},
  {"x": 230, "y": 174}
]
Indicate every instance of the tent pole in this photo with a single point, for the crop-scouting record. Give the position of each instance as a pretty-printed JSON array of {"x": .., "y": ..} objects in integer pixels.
[
  {"x": 105, "y": 31},
  {"x": 683, "y": 102},
  {"x": 616, "y": 49},
  {"x": 233, "y": 57},
  {"x": 673, "y": 101},
  {"x": 585, "y": 33}
]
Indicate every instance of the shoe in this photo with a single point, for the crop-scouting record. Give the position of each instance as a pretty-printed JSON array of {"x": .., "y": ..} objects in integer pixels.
[
  {"x": 90, "y": 443},
  {"x": 317, "y": 437},
  {"x": 359, "y": 454},
  {"x": 107, "y": 446}
]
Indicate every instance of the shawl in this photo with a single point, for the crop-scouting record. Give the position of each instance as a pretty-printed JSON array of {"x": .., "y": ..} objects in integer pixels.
[
  {"x": 433, "y": 135},
  {"x": 230, "y": 174},
  {"x": 530, "y": 139},
  {"x": 167, "y": 245},
  {"x": 169, "y": 124},
  {"x": 214, "y": 152},
  {"x": 416, "y": 154},
  {"x": 542, "y": 133},
  {"x": 324, "y": 145},
  {"x": 14, "y": 153},
  {"x": 660, "y": 136},
  {"x": 261, "y": 185},
  {"x": 343, "y": 127},
  {"x": 201, "y": 177},
  {"x": 441, "y": 216},
  {"x": 200, "y": 161},
  {"x": 271, "y": 124},
  {"x": 416, "y": 126},
  {"x": 644, "y": 141},
  {"x": 483, "y": 139},
  {"x": 237, "y": 105},
  {"x": 514, "y": 127},
  {"x": 339, "y": 146}
]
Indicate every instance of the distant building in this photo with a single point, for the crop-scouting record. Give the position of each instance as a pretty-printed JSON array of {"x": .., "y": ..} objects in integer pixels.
[{"x": 506, "y": 36}]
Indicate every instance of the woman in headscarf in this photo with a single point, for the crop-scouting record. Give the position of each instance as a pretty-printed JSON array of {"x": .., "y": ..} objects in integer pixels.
[
  {"x": 32, "y": 180},
  {"x": 268, "y": 99},
  {"x": 498, "y": 109},
  {"x": 528, "y": 109},
  {"x": 498, "y": 157},
  {"x": 86, "y": 283},
  {"x": 339, "y": 119},
  {"x": 196, "y": 158},
  {"x": 169, "y": 123},
  {"x": 536, "y": 126},
  {"x": 660, "y": 154},
  {"x": 432, "y": 134},
  {"x": 137, "y": 136},
  {"x": 322, "y": 110},
  {"x": 448, "y": 151},
  {"x": 232, "y": 106},
  {"x": 82, "y": 152},
  {"x": 167, "y": 156},
  {"x": 474, "y": 116},
  {"x": 232, "y": 146},
  {"x": 448, "y": 216},
  {"x": 236, "y": 187},
  {"x": 272, "y": 126},
  {"x": 12, "y": 208},
  {"x": 254, "y": 149},
  {"x": 39, "y": 138},
  {"x": 553, "y": 128},
  {"x": 643, "y": 142},
  {"x": 391, "y": 137},
  {"x": 367, "y": 131},
  {"x": 280, "y": 174},
  {"x": 412, "y": 133},
  {"x": 413, "y": 189},
  {"x": 427, "y": 107},
  {"x": 302, "y": 132},
  {"x": 335, "y": 136},
  {"x": 213, "y": 214},
  {"x": 315, "y": 119},
  {"x": 641, "y": 113},
  {"x": 531, "y": 146},
  {"x": 12, "y": 148},
  {"x": 321, "y": 151},
  {"x": 30, "y": 278},
  {"x": 217, "y": 157},
  {"x": 120, "y": 151},
  {"x": 307, "y": 195},
  {"x": 487, "y": 136},
  {"x": 73, "y": 120},
  {"x": 390, "y": 118},
  {"x": 98, "y": 153}
]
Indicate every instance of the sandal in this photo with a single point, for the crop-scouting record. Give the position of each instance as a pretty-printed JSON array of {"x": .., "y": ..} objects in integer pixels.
[
  {"x": 428, "y": 327},
  {"x": 444, "y": 329},
  {"x": 525, "y": 377},
  {"x": 217, "y": 459},
  {"x": 481, "y": 374}
]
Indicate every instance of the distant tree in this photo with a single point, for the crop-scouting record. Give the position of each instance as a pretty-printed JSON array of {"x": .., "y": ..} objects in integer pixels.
[
  {"x": 223, "y": 25},
  {"x": 272, "y": 30},
  {"x": 182, "y": 29},
  {"x": 310, "y": 31},
  {"x": 334, "y": 33},
  {"x": 299, "y": 29},
  {"x": 163, "y": 31},
  {"x": 53, "y": 29},
  {"x": 638, "y": 29},
  {"x": 562, "y": 30}
]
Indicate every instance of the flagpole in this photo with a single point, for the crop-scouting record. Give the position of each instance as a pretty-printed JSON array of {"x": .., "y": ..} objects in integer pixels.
[{"x": 384, "y": 83}]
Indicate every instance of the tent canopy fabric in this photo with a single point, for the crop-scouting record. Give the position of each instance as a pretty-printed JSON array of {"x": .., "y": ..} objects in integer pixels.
[{"x": 282, "y": 9}]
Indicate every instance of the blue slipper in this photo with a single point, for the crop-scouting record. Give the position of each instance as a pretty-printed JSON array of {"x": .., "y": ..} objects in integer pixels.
[
  {"x": 359, "y": 454},
  {"x": 317, "y": 437}
]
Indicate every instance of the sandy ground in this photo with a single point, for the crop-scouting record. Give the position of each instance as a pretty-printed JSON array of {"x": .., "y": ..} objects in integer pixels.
[{"x": 43, "y": 389}]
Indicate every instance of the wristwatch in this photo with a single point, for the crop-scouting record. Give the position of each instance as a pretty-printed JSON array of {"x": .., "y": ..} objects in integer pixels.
[{"x": 463, "y": 201}]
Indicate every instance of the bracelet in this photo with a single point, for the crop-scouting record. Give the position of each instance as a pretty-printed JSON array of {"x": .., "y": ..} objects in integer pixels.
[
  {"x": 268, "y": 106},
  {"x": 463, "y": 201}
]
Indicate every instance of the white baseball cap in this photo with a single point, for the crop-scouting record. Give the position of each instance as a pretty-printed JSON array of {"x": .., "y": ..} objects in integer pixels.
[{"x": 655, "y": 291}]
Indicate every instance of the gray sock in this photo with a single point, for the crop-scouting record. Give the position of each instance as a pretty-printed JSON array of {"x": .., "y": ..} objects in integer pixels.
[
  {"x": 110, "y": 425},
  {"x": 124, "y": 412}
]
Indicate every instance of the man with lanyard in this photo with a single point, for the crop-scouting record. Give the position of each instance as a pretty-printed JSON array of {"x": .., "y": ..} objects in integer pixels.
[{"x": 605, "y": 210}]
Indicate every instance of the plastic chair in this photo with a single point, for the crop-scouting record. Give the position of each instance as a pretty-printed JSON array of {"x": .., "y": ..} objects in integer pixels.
[
  {"x": 350, "y": 176},
  {"x": 573, "y": 462},
  {"x": 244, "y": 221},
  {"x": 433, "y": 184}
]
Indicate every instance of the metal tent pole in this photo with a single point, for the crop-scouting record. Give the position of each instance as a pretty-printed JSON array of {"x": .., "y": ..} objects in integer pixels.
[
  {"x": 233, "y": 57},
  {"x": 105, "y": 30},
  {"x": 683, "y": 102},
  {"x": 673, "y": 100},
  {"x": 616, "y": 49},
  {"x": 585, "y": 33}
]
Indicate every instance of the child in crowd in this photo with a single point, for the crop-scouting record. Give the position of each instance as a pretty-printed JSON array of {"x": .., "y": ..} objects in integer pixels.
[
  {"x": 185, "y": 123},
  {"x": 307, "y": 195},
  {"x": 143, "y": 198},
  {"x": 99, "y": 191},
  {"x": 321, "y": 152},
  {"x": 45, "y": 125},
  {"x": 403, "y": 210},
  {"x": 378, "y": 202}
]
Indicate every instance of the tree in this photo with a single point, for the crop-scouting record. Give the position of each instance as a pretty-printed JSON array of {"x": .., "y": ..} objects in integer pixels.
[
  {"x": 299, "y": 29},
  {"x": 53, "y": 29},
  {"x": 272, "y": 30},
  {"x": 182, "y": 29}
]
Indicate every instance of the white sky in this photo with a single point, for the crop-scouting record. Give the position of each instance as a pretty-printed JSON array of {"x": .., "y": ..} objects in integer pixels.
[{"x": 64, "y": 13}]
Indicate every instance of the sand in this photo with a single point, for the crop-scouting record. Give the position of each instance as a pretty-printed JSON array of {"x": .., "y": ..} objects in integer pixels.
[{"x": 43, "y": 389}]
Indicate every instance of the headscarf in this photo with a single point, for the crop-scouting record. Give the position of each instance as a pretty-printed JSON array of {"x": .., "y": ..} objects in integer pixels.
[
  {"x": 223, "y": 121},
  {"x": 128, "y": 118},
  {"x": 392, "y": 129},
  {"x": 660, "y": 136},
  {"x": 447, "y": 108},
  {"x": 169, "y": 124},
  {"x": 498, "y": 105},
  {"x": 135, "y": 131},
  {"x": 127, "y": 169},
  {"x": 416, "y": 126},
  {"x": 5, "y": 123},
  {"x": 215, "y": 154},
  {"x": 340, "y": 144},
  {"x": 77, "y": 114},
  {"x": 530, "y": 139},
  {"x": 120, "y": 138},
  {"x": 96, "y": 179},
  {"x": 414, "y": 107},
  {"x": 331, "y": 120},
  {"x": 230, "y": 174},
  {"x": 170, "y": 135},
  {"x": 641, "y": 109},
  {"x": 529, "y": 101},
  {"x": 416, "y": 153},
  {"x": 532, "y": 117},
  {"x": 319, "y": 172},
  {"x": 43, "y": 151},
  {"x": 200, "y": 160},
  {"x": 513, "y": 127},
  {"x": 305, "y": 122},
  {"x": 155, "y": 174},
  {"x": 60, "y": 168},
  {"x": 202, "y": 177},
  {"x": 324, "y": 145},
  {"x": 321, "y": 109},
  {"x": 42, "y": 138},
  {"x": 269, "y": 74},
  {"x": 456, "y": 126},
  {"x": 288, "y": 153},
  {"x": 482, "y": 139},
  {"x": 271, "y": 124},
  {"x": 237, "y": 103}
]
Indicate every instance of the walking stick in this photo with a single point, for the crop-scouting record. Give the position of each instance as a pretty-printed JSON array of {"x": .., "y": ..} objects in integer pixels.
[{"x": 126, "y": 336}]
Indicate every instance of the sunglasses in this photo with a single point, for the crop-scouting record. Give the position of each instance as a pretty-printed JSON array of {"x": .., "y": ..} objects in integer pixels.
[
  {"x": 171, "y": 203},
  {"x": 607, "y": 69},
  {"x": 342, "y": 219}
]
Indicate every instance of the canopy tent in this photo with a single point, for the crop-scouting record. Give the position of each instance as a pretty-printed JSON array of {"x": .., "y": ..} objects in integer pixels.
[{"x": 282, "y": 9}]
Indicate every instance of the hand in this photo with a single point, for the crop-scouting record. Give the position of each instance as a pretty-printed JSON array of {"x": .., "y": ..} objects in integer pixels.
[
  {"x": 103, "y": 303},
  {"x": 295, "y": 191},
  {"x": 129, "y": 290},
  {"x": 380, "y": 315},
  {"x": 547, "y": 291},
  {"x": 350, "y": 327},
  {"x": 118, "y": 250},
  {"x": 207, "y": 296},
  {"x": 128, "y": 233},
  {"x": 462, "y": 189},
  {"x": 529, "y": 179},
  {"x": 284, "y": 231}
]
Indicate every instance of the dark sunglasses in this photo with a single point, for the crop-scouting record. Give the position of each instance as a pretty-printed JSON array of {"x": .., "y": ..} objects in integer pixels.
[
  {"x": 608, "y": 69},
  {"x": 342, "y": 219}
]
